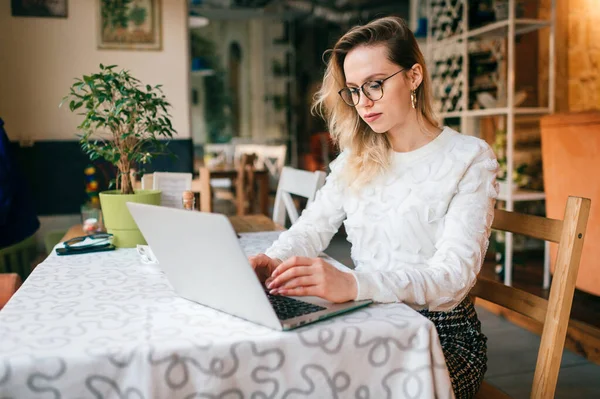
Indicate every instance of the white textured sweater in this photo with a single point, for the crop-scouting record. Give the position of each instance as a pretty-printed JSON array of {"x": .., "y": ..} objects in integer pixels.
[{"x": 419, "y": 232}]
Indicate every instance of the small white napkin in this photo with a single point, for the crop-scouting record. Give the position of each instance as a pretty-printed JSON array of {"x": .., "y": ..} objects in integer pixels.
[{"x": 146, "y": 255}]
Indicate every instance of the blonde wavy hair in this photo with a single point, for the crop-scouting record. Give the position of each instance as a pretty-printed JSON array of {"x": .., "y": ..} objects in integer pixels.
[{"x": 369, "y": 152}]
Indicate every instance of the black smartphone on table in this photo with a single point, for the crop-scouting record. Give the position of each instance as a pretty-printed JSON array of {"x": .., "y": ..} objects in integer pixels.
[
  {"x": 97, "y": 243},
  {"x": 87, "y": 250}
]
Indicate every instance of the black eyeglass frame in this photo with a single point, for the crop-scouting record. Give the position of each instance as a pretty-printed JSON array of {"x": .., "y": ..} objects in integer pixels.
[{"x": 362, "y": 88}]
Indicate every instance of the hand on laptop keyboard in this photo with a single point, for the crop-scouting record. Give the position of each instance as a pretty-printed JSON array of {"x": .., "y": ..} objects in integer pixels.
[
  {"x": 263, "y": 266},
  {"x": 288, "y": 308},
  {"x": 304, "y": 276}
]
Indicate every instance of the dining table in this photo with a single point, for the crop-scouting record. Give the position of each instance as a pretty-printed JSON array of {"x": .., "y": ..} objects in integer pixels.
[
  {"x": 230, "y": 171},
  {"x": 110, "y": 325},
  {"x": 203, "y": 190}
]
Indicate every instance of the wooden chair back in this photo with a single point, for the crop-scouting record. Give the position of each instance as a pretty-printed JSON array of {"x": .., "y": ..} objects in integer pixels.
[
  {"x": 295, "y": 182},
  {"x": 245, "y": 184},
  {"x": 148, "y": 181},
  {"x": 172, "y": 185},
  {"x": 554, "y": 312},
  {"x": 219, "y": 153}
]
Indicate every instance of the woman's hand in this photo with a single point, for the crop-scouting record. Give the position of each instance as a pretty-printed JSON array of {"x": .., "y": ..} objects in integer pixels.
[
  {"x": 299, "y": 276},
  {"x": 263, "y": 266}
]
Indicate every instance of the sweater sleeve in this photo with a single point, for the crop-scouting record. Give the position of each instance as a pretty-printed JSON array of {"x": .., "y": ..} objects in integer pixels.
[
  {"x": 317, "y": 224},
  {"x": 444, "y": 280}
]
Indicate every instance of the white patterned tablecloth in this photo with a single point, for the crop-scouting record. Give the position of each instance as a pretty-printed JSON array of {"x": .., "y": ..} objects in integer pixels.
[{"x": 106, "y": 325}]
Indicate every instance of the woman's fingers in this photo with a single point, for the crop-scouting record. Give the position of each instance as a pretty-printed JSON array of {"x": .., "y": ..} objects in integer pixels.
[
  {"x": 292, "y": 262},
  {"x": 289, "y": 274},
  {"x": 262, "y": 265},
  {"x": 312, "y": 290},
  {"x": 259, "y": 260},
  {"x": 303, "y": 281}
]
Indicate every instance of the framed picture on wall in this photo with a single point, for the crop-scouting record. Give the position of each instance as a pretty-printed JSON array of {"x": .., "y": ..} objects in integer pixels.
[
  {"x": 129, "y": 24},
  {"x": 39, "y": 8}
]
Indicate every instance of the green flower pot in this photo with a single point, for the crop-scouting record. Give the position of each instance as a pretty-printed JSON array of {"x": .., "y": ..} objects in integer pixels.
[{"x": 118, "y": 220}]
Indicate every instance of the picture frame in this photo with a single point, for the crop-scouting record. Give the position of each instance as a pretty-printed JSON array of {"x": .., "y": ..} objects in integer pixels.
[
  {"x": 39, "y": 8},
  {"x": 130, "y": 25}
]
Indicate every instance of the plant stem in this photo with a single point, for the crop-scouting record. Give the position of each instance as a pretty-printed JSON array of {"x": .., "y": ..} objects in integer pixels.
[{"x": 126, "y": 186}]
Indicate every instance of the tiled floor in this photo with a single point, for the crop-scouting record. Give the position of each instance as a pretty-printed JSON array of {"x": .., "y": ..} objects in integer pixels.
[{"x": 512, "y": 352}]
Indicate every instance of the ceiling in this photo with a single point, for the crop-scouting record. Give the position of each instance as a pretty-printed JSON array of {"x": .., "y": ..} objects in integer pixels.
[{"x": 335, "y": 11}]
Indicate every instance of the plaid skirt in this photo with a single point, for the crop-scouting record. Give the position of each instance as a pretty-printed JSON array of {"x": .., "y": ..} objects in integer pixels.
[{"x": 464, "y": 346}]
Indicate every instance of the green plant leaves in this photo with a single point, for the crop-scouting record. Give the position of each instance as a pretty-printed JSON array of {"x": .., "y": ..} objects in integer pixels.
[{"x": 134, "y": 116}]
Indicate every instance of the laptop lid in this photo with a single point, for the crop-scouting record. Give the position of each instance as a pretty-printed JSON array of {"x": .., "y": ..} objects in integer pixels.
[{"x": 203, "y": 260}]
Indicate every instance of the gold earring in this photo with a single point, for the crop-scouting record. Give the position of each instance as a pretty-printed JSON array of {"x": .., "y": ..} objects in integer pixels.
[{"x": 413, "y": 98}]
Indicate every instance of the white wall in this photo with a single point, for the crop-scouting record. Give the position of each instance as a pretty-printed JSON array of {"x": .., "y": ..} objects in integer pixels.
[{"x": 40, "y": 57}]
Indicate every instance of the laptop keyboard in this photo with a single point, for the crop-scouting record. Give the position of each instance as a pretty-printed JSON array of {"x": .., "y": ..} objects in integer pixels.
[{"x": 288, "y": 308}]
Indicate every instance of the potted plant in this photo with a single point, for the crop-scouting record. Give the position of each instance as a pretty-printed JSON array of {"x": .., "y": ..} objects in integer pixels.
[{"x": 123, "y": 122}]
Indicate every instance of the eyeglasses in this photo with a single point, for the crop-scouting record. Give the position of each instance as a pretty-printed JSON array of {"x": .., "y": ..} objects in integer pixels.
[
  {"x": 93, "y": 240},
  {"x": 373, "y": 89}
]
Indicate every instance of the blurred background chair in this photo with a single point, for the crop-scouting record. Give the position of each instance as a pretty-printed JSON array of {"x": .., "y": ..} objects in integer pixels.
[
  {"x": 269, "y": 157},
  {"x": 245, "y": 185},
  {"x": 219, "y": 154},
  {"x": 148, "y": 181},
  {"x": 18, "y": 258},
  {"x": 172, "y": 186},
  {"x": 9, "y": 284},
  {"x": 297, "y": 182}
]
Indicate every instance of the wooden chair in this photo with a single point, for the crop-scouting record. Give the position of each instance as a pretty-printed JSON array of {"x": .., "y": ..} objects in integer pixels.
[
  {"x": 19, "y": 258},
  {"x": 148, "y": 181},
  {"x": 297, "y": 182},
  {"x": 269, "y": 157},
  {"x": 219, "y": 154},
  {"x": 554, "y": 312},
  {"x": 9, "y": 284},
  {"x": 172, "y": 186},
  {"x": 245, "y": 184}
]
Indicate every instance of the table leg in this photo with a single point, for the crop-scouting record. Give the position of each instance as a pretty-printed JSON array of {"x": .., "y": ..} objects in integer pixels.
[
  {"x": 205, "y": 190},
  {"x": 263, "y": 193},
  {"x": 240, "y": 192}
]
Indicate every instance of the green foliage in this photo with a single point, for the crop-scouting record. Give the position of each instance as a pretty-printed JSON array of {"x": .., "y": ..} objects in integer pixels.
[
  {"x": 202, "y": 47},
  {"x": 114, "y": 13},
  {"x": 520, "y": 175},
  {"x": 123, "y": 119},
  {"x": 138, "y": 15}
]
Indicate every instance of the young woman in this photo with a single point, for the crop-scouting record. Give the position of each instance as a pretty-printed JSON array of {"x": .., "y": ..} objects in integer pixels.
[{"x": 417, "y": 200}]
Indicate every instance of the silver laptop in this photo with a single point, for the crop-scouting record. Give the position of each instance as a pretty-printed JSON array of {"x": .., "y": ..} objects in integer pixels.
[{"x": 202, "y": 258}]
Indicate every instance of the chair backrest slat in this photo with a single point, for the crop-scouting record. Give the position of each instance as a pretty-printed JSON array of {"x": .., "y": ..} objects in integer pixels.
[
  {"x": 269, "y": 157},
  {"x": 172, "y": 185},
  {"x": 148, "y": 181},
  {"x": 223, "y": 153},
  {"x": 554, "y": 312},
  {"x": 532, "y": 226},
  {"x": 295, "y": 182},
  {"x": 511, "y": 298}
]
